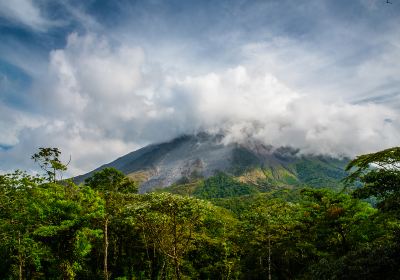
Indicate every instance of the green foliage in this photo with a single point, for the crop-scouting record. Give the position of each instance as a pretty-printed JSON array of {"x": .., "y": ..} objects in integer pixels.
[
  {"x": 48, "y": 160},
  {"x": 379, "y": 175},
  {"x": 179, "y": 233},
  {"x": 186, "y": 189},
  {"x": 104, "y": 230},
  {"x": 317, "y": 172},
  {"x": 388, "y": 160},
  {"x": 111, "y": 180},
  {"x": 277, "y": 177},
  {"x": 16, "y": 225},
  {"x": 222, "y": 185},
  {"x": 333, "y": 219},
  {"x": 45, "y": 225},
  {"x": 320, "y": 174}
]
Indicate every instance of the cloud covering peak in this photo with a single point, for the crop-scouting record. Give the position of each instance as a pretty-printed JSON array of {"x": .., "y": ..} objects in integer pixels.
[{"x": 102, "y": 94}]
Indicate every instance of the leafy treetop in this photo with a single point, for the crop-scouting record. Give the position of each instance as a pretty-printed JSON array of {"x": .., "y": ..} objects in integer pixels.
[
  {"x": 48, "y": 160},
  {"x": 379, "y": 174},
  {"x": 388, "y": 160},
  {"x": 111, "y": 180}
]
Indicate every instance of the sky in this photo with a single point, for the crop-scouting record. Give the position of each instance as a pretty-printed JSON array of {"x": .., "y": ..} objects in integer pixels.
[{"x": 99, "y": 79}]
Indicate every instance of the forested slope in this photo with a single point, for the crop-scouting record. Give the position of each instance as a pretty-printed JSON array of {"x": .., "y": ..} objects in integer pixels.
[{"x": 220, "y": 227}]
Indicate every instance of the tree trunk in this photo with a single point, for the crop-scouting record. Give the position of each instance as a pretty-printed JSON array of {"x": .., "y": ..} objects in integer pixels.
[
  {"x": 177, "y": 270},
  {"x": 20, "y": 266},
  {"x": 106, "y": 249},
  {"x": 344, "y": 244},
  {"x": 269, "y": 257},
  {"x": 20, "y": 269},
  {"x": 176, "y": 261}
]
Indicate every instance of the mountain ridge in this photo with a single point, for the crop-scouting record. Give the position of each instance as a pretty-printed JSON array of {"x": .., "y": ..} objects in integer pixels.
[{"x": 191, "y": 157}]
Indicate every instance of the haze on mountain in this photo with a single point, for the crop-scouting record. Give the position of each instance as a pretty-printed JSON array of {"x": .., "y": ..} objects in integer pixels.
[{"x": 100, "y": 79}]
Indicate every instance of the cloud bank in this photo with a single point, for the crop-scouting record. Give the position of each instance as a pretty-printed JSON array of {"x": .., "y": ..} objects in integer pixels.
[{"x": 98, "y": 101}]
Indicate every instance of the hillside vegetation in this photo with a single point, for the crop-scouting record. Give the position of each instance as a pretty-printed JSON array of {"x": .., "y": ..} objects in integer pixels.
[{"x": 259, "y": 223}]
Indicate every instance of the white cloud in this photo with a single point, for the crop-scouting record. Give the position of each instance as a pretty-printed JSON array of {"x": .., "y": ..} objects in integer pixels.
[
  {"x": 12, "y": 121},
  {"x": 100, "y": 101},
  {"x": 344, "y": 64},
  {"x": 242, "y": 103},
  {"x": 27, "y": 13}
]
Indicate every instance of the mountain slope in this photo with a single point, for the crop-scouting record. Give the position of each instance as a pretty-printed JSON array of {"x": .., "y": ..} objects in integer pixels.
[{"x": 199, "y": 156}]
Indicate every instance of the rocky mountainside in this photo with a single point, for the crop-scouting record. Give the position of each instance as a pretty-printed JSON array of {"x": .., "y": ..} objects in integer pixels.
[{"x": 191, "y": 157}]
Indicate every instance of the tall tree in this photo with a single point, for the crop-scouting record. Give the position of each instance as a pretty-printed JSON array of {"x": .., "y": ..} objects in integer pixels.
[
  {"x": 109, "y": 181},
  {"x": 17, "y": 223},
  {"x": 172, "y": 225},
  {"x": 49, "y": 161}
]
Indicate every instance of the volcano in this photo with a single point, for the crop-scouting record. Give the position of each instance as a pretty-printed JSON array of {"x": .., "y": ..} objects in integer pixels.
[{"x": 192, "y": 157}]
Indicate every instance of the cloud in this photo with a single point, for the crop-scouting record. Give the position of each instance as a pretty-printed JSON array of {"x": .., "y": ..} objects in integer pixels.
[
  {"x": 307, "y": 76},
  {"x": 85, "y": 99},
  {"x": 353, "y": 74},
  {"x": 244, "y": 104},
  {"x": 12, "y": 122},
  {"x": 100, "y": 101},
  {"x": 26, "y": 13}
]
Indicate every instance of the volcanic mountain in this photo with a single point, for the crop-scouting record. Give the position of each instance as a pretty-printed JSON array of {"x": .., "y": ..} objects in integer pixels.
[{"x": 192, "y": 157}]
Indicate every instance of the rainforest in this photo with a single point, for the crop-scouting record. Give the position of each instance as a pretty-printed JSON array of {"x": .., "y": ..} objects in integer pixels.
[{"x": 210, "y": 228}]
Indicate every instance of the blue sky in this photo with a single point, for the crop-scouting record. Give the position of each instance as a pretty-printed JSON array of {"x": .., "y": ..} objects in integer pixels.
[{"x": 99, "y": 79}]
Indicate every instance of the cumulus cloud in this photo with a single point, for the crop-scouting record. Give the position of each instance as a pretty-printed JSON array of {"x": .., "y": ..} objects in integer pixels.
[
  {"x": 100, "y": 100},
  {"x": 86, "y": 98},
  {"x": 245, "y": 104}
]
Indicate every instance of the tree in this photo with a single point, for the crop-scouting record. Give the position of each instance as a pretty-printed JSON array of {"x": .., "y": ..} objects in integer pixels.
[
  {"x": 334, "y": 219},
  {"x": 171, "y": 224},
  {"x": 17, "y": 223},
  {"x": 48, "y": 160},
  {"x": 45, "y": 228},
  {"x": 269, "y": 243},
  {"x": 67, "y": 225},
  {"x": 379, "y": 175},
  {"x": 109, "y": 181}
]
